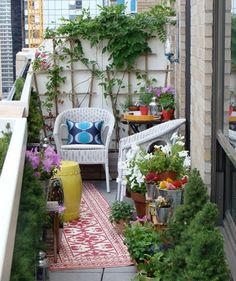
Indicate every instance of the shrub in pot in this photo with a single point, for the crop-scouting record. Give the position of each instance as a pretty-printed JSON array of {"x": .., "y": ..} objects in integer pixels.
[
  {"x": 199, "y": 255},
  {"x": 142, "y": 241},
  {"x": 121, "y": 213},
  {"x": 195, "y": 197}
]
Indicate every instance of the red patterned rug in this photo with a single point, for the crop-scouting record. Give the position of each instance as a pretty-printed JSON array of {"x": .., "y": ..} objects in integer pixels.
[{"x": 91, "y": 241}]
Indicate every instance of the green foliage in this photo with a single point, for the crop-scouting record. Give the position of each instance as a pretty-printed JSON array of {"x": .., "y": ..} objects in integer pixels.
[
  {"x": 124, "y": 39},
  {"x": 145, "y": 97},
  {"x": 19, "y": 84},
  {"x": 142, "y": 241},
  {"x": 195, "y": 197},
  {"x": 4, "y": 142},
  {"x": 126, "y": 36},
  {"x": 200, "y": 252},
  {"x": 233, "y": 42},
  {"x": 121, "y": 211},
  {"x": 127, "y": 103},
  {"x": 162, "y": 162},
  {"x": 35, "y": 119},
  {"x": 31, "y": 218},
  {"x": 53, "y": 84},
  {"x": 150, "y": 268},
  {"x": 167, "y": 101}
]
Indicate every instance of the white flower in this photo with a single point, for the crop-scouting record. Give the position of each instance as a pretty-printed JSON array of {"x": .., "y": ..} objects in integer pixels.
[
  {"x": 180, "y": 143},
  {"x": 187, "y": 162},
  {"x": 183, "y": 153},
  {"x": 131, "y": 154},
  {"x": 166, "y": 149},
  {"x": 174, "y": 137}
]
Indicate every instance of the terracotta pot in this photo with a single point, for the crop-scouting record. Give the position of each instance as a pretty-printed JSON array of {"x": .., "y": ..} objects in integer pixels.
[
  {"x": 120, "y": 226},
  {"x": 140, "y": 203},
  {"x": 133, "y": 108},
  {"x": 138, "y": 197},
  {"x": 168, "y": 114},
  {"x": 144, "y": 109}
]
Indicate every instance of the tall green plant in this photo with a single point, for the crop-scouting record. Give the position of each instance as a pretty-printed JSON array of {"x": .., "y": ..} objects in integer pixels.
[
  {"x": 195, "y": 197},
  {"x": 233, "y": 42},
  {"x": 31, "y": 218},
  {"x": 19, "y": 84},
  {"x": 200, "y": 253},
  {"x": 35, "y": 119}
]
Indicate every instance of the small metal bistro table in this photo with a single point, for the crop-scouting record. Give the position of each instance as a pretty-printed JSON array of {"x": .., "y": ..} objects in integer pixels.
[{"x": 134, "y": 121}]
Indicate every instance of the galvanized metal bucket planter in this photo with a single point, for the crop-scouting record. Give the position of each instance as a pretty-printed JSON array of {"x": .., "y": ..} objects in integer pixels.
[
  {"x": 151, "y": 193},
  {"x": 174, "y": 195},
  {"x": 163, "y": 215}
]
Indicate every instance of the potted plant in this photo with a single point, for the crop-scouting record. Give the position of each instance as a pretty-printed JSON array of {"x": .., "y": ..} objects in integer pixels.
[
  {"x": 163, "y": 209},
  {"x": 145, "y": 98},
  {"x": 45, "y": 162},
  {"x": 133, "y": 178},
  {"x": 173, "y": 189},
  {"x": 166, "y": 99},
  {"x": 146, "y": 94},
  {"x": 128, "y": 104},
  {"x": 142, "y": 241},
  {"x": 166, "y": 161},
  {"x": 149, "y": 271},
  {"x": 121, "y": 213}
]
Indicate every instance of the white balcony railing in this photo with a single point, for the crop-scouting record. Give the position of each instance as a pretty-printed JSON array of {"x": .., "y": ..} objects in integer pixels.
[
  {"x": 10, "y": 189},
  {"x": 15, "y": 113}
]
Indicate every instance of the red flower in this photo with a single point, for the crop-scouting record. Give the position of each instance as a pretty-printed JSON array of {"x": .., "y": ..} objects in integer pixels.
[
  {"x": 152, "y": 177},
  {"x": 184, "y": 180},
  {"x": 177, "y": 183}
]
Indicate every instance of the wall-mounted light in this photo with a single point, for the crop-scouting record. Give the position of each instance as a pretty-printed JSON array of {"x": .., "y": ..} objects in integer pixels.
[{"x": 172, "y": 34}]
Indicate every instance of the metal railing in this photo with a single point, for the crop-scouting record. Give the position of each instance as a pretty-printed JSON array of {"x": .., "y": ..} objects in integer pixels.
[{"x": 23, "y": 74}]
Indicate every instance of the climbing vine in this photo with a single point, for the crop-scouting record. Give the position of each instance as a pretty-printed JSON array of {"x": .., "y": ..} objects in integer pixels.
[
  {"x": 127, "y": 36},
  {"x": 123, "y": 37}
]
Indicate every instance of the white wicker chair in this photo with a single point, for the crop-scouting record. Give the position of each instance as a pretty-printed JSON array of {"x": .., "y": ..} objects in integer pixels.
[
  {"x": 161, "y": 132},
  {"x": 85, "y": 153}
]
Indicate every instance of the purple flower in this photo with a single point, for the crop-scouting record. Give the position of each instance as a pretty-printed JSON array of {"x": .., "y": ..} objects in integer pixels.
[
  {"x": 44, "y": 162},
  {"x": 168, "y": 89},
  {"x": 61, "y": 209},
  {"x": 158, "y": 92},
  {"x": 34, "y": 158},
  {"x": 48, "y": 165},
  {"x": 37, "y": 174}
]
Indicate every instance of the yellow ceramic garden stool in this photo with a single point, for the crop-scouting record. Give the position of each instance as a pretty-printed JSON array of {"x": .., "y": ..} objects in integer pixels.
[{"x": 72, "y": 186}]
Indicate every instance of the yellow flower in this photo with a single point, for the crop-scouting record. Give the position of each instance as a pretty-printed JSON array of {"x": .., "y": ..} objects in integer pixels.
[
  {"x": 169, "y": 180},
  {"x": 163, "y": 184}
]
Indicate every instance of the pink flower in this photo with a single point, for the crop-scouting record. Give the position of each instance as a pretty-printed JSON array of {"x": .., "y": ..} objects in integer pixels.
[
  {"x": 44, "y": 162},
  {"x": 37, "y": 54}
]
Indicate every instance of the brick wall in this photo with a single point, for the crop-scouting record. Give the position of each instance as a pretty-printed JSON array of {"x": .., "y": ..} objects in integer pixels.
[
  {"x": 179, "y": 69},
  {"x": 201, "y": 86},
  {"x": 144, "y": 5}
]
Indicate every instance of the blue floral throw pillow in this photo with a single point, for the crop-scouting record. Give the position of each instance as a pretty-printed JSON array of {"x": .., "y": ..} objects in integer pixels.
[{"x": 84, "y": 132}]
